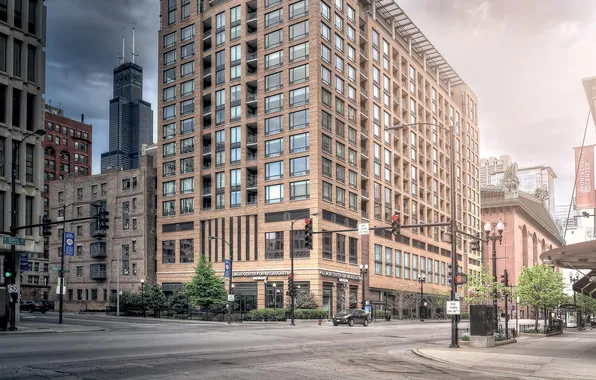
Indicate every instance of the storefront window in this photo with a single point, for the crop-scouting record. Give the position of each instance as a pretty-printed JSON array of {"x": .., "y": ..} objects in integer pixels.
[{"x": 274, "y": 295}]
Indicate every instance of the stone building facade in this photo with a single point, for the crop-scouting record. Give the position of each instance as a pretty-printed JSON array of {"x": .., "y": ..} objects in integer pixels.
[
  {"x": 126, "y": 255},
  {"x": 529, "y": 231}
]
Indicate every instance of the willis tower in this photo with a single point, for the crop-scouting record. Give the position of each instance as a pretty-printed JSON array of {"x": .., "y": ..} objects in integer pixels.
[{"x": 131, "y": 117}]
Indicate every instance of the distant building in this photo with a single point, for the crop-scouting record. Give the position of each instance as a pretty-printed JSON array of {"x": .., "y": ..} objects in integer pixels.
[
  {"x": 126, "y": 255},
  {"x": 529, "y": 231},
  {"x": 131, "y": 118},
  {"x": 492, "y": 165},
  {"x": 566, "y": 217}
]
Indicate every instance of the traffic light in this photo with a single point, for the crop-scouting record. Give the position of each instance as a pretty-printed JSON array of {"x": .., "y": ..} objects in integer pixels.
[
  {"x": 505, "y": 278},
  {"x": 290, "y": 284},
  {"x": 102, "y": 219},
  {"x": 308, "y": 233},
  {"x": 475, "y": 245},
  {"x": 46, "y": 229},
  {"x": 8, "y": 273},
  {"x": 449, "y": 273},
  {"x": 395, "y": 225}
]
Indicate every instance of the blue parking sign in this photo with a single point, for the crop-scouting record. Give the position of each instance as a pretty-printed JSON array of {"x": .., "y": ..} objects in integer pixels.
[{"x": 69, "y": 243}]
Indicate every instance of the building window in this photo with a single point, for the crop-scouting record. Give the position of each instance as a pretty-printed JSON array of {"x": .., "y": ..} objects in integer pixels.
[
  {"x": 274, "y": 125},
  {"x": 353, "y": 250},
  {"x": 273, "y": 18},
  {"x": 299, "y": 190},
  {"x": 340, "y": 248},
  {"x": 169, "y": 40},
  {"x": 274, "y": 81},
  {"x": 299, "y": 74},
  {"x": 274, "y": 39},
  {"x": 169, "y": 208},
  {"x": 274, "y": 245},
  {"x": 299, "y": 143},
  {"x": 274, "y": 59},
  {"x": 327, "y": 192},
  {"x": 274, "y": 103},
  {"x": 187, "y": 254},
  {"x": 274, "y": 148},
  {"x": 274, "y": 170},
  {"x": 274, "y": 194},
  {"x": 168, "y": 252},
  {"x": 186, "y": 185},
  {"x": 378, "y": 259},
  {"x": 327, "y": 246},
  {"x": 299, "y": 52},
  {"x": 299, "y": 166},
  {"x": 31, "y": 52}
]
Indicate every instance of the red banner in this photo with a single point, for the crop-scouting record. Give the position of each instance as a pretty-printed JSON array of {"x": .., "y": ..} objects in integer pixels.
[{"x": 585, "y": 198}]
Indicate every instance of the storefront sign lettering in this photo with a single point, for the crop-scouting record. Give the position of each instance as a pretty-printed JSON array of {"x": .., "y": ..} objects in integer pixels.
[
  {"x": 341, "y": 275},
  {"x": 260, "y": 274}
]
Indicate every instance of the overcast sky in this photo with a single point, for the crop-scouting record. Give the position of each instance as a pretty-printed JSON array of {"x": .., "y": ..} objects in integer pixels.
[{"x": 524, "y": 59}]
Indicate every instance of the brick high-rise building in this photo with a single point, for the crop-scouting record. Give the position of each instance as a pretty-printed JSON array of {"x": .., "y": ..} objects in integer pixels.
[
  {"x": 273, "y": 110},
  {"x": 22, "y": 84}
]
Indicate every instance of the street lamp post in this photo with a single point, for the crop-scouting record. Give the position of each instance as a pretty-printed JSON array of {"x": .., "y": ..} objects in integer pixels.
[
  {"x": 573, "y": 278},
  {"x": 13, "y": 218},
  {"x": 230, "y": 284},
  {"x": 143, "y": 296},
  {"x": 453, "y": 227},
  {"x": 488, "y": 227},
  {"x": 421, "y": 280},
  {"x": 363, "y": 273}
]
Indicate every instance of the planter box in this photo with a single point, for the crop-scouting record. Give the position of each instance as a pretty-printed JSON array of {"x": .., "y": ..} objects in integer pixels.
[
  {"x": 482, "y": 341},
  {"x": 464, "y": 343}
]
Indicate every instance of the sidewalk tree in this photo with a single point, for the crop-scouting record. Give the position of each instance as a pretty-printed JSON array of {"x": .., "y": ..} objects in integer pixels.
[
  {"x": 586, "y": 304},
  {"x": 303, "y": 300},
  {"x": 178, "y": 302},
  {"x": 540, "y": 288},
  {"x": 155, "y": 299},
  {"x": 480, "y": 288},
  {"x": 206, "y": 289}
]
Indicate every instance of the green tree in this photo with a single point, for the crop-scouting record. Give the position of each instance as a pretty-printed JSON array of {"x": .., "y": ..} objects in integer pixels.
[
  {"x": 178, "y": 302},
  {"x": 206, "y": 289},
  {"x": 540, "y": 288},
  {"x": 480, "y": 288},
  {"x": 586, "y": 304},
  {"x": 155, "y": 299},
  {"x": 303, "y": 300}
]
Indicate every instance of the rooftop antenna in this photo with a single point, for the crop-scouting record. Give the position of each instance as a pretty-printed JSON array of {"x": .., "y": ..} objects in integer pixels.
[
  {"x": 122, "y": 56},
  {"x": 133, "y": 46}
]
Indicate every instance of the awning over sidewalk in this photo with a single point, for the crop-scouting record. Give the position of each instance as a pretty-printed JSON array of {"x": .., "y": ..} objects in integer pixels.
[
  {"x": 573, "y": 256},
  {"x": 586, "y": 284}
]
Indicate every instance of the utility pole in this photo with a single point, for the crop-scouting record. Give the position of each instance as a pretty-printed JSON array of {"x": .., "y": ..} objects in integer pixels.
[{"x": 61, "y": 280}]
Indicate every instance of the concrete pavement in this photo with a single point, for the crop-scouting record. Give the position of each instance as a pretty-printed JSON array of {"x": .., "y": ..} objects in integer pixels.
[
  {"x": 571, "y": 355},
  {"x": 29, "y": 326}
]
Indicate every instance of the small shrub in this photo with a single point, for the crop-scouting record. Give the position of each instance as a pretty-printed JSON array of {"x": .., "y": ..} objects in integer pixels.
[
  {"x": 310, "y": 314},
  {"x": 465, "y": 315},
  {"x": 267, "y": 315},
  {"x": 465, "y": 337}
]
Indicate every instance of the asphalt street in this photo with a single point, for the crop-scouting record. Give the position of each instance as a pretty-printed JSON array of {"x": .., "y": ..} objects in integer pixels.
[{"x": 153, "y": 349}]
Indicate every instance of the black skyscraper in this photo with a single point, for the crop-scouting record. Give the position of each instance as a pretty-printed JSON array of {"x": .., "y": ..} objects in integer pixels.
[{"x": 131, "y": 119}]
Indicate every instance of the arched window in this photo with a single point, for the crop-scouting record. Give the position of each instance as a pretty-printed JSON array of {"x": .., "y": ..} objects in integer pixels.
[
  {"x": 64, "y": 156},
  {"x": 49, "y": 151}
]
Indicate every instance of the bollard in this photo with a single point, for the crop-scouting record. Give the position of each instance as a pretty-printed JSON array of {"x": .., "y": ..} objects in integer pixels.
[{"x": 320, "y": 321}]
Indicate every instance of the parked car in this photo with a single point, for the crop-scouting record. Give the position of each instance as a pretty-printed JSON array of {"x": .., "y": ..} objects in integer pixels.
[
  {"x": 351, "y": 317},
  {"x": 32, "y": 306},
  {"x": 48, "y": 304}
]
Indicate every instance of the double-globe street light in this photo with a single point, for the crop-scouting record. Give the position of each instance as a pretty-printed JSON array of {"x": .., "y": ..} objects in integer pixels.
[
  {"x": 421, "y": 280},
  {"x": 230, "y": 284},
  {"x": 363, "y": 274},
  {"x": 453, "y": 227},
  {"x": 495, "y": 237},
  {"x": 13, "y": 215}
]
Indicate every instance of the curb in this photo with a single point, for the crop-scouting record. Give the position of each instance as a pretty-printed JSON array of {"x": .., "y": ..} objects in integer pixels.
[
  {"x": 416, "y": 352},
  {"x": 31, "y": 332}
]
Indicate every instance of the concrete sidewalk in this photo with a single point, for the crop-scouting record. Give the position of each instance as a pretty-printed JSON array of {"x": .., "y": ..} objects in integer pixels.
[
  {"x": 571, "y": 355},
  {"x": 30, "y": 327}
]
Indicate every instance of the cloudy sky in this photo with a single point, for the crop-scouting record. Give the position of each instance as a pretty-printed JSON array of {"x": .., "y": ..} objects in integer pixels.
[{"x": 524, "y": 59}]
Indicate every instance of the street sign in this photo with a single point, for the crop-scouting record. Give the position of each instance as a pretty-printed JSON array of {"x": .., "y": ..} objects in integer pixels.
[
  {"x": 11, "y": 240},
  {"x": 457, "y": 296},
  {"x": 13, "y": 289},
  {"x": 69, "y": 243},
  {"x": 230, "y": 298},
  {"x": 227, "y": 267},
  {"x": 452, "y": 307},
  {"x": 24, "y": 261},
  {"x": 58, "y": 268},
  {"x": 363, "y": 229},
  {"x": 63, "y": 290}
]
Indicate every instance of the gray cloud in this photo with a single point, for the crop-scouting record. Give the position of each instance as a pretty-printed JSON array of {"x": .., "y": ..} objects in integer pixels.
[
  {"x": 525, "y": 60},
  {"x": 83, "y": 37}
]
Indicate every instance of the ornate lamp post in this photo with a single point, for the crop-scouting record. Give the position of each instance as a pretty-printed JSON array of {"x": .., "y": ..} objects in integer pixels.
[
  {"x": 496, "y": 236},
  {"x": 421, "y": 280},
  {"x": 363, "y": 273}
]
